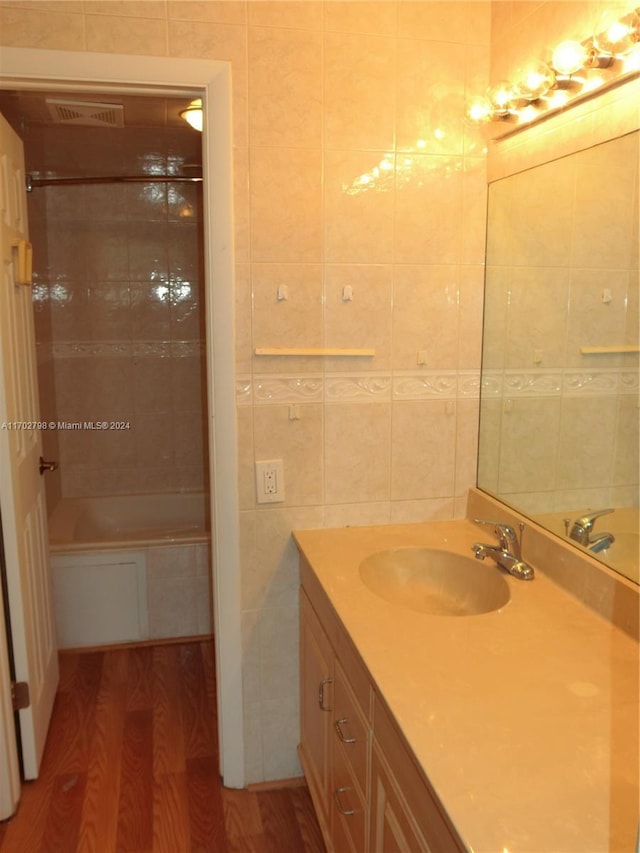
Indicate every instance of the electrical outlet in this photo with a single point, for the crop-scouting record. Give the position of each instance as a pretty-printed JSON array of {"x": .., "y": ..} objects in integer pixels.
[{"x": 269, "y": 481}]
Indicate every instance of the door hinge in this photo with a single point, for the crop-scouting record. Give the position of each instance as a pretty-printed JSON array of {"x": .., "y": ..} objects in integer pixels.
[{"x": 20, "y": 695}]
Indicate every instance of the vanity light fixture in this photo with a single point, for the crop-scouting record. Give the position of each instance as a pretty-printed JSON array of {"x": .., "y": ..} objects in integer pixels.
[
  {"x": 534, "y": 81},
  {"x": 501, "y": 97},
  {"x": 618, "y": 38},
  {"x": 569, "y": 57},
  {"x": 193, "y": 114},
  {"x": 540, "y": 89}
]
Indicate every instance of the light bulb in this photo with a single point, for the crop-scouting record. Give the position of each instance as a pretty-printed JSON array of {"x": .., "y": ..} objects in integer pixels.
[
  {"x": 569, "y": 57},
  {"x": 480, "y": 110},
  {"x": 193, "y": 114},
  {"x": 617, "y": 38},
  {"x": 534, "y": 81},
  {"x": 501, "y": 97}
]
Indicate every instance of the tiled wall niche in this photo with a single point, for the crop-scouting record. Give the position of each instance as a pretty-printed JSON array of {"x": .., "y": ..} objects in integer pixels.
[{"x": 118, "y": 320}]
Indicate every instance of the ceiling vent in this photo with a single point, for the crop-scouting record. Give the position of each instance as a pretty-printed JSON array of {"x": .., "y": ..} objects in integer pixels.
[{"x": 86, "y": 113}]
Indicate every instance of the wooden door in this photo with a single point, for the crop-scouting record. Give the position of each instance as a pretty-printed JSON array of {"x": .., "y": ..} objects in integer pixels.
[{"x": 22, "y": 495}]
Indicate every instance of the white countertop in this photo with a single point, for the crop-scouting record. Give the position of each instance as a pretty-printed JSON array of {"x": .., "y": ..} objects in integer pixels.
[{"x": 525, "y": 720}]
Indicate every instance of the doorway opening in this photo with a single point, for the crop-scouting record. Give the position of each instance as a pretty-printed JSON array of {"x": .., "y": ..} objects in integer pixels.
[
  {"x": 116, "y": 222},
  {"x": 25, "y": 69}
]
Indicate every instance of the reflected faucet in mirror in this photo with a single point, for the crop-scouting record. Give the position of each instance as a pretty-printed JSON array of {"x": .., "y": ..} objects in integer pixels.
[{"x": 581, "y": 531}]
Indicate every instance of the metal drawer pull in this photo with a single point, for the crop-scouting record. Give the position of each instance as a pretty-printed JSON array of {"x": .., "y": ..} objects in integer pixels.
[
  {"x": 337, "y": 726},
  {"x": 321, "y": 694},
  {"x": 336, "y": 797}
]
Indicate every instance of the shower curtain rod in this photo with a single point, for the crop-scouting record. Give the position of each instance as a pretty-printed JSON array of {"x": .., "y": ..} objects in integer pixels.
[{"x": 32, "y": 182}]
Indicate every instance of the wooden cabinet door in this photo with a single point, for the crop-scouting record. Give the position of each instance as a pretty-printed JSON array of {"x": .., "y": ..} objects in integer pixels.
[
  {"x": 316, "y": 701},
  {"x": 392, "y": 829}
]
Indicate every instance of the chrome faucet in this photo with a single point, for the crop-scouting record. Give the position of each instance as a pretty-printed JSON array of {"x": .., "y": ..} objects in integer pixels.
[
  {"x": 581, "y": 532},
  {"x": 507, "y": 554}
]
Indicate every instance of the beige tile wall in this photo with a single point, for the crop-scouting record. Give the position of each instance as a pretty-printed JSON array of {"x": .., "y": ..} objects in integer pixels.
[
  {"x": 353, "y": 166},
  {"x": 119, "y": 323}
]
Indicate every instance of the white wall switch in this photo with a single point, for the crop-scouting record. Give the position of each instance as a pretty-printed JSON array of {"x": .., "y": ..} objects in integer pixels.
[{"x": 269, "y": 481}]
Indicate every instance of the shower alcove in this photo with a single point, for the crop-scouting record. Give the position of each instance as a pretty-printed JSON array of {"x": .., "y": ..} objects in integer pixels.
[{"x": 115, "y": 217}]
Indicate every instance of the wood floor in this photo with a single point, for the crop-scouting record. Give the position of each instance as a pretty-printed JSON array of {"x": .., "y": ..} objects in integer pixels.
[{"x": 131, "y": 765}]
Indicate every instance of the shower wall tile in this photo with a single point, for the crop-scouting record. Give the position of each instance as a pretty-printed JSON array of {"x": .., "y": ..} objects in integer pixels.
[
  {"x": 433, "y": 21},
  {"x": 474, "y": 205},
  {"x": 466, "y": 453},
  {"x": 243, "y": 324},
  {"x": 423, "y": 450},
  {"x": 365, "y": 320},
  {"x": 586, "y": 442},
  {"x": 241, "y": 204},
  {"x": 536, "y": 467},
  {"x": 428, "y": 229},
  {"x": 145, "y": 202},
  {"x": 111, "y": 34},
  {"x": 124, "y": 270},
  {"x": 286, "y": 13},
  {"x": 626, "y": 463},
  {"x": 293, "y": 177},
  {"x": 372, "y": 18},
  {"x": 538, "y": 312},
  {"x": 292, "y": 322},
  {"x": 285, "y": 104},
  {"x": 298, "y": 443},
  {"x": 357, "y": 452},
  {"x": 471, "y": 306},
  {"x": 425, "y": 316},
  {"x": 150, "y": 312},
  {"x": 428, "y": 120},
  {"x": 357, "y": 72},
  {"x": 359, "y": 205},
  {"x": 218, "y": 11},
  {"x": 129, "y": 8},
  {"x": 42, "y": 28}
]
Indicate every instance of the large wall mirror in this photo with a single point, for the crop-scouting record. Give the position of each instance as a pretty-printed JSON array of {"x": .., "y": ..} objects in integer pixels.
[{"x": 559, "y": 410}]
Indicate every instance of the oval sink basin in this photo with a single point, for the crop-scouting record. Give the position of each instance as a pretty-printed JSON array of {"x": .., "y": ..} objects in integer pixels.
[{"x": 436, "y": 582}]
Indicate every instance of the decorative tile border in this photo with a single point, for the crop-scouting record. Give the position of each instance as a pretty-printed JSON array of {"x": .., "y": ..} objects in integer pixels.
[
  {"x": 121, "y": 349},
  {"x": 365, "y": 387},
  {"x": 287, "y": 389},
  {"x": 432, "y": 385},
  {"x": 532, "y": 384},
  {"x": 585, "y": 383},
  {"x": 561, "y": 382},
  {"x": 629, "y": 382},
  {"x": 244, "y": 395},
  {"x": 347, "y": 387},
  {"x": 429, "y": 385}
]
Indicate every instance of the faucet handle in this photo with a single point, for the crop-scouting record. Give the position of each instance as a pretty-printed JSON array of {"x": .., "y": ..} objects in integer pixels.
[
  {"x": 586, "y": 521},
  {"x": 506, "y": 534}
]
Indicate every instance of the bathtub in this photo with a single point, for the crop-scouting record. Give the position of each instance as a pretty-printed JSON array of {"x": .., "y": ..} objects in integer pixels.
[
  {"x": 118, "y": 521},
  {"x": 130, "y": 568}
]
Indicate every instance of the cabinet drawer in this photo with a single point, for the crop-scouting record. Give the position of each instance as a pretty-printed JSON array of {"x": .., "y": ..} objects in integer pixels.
[
  {"x": 351, "y": 730},
  {"x": 348, "y": 809}
]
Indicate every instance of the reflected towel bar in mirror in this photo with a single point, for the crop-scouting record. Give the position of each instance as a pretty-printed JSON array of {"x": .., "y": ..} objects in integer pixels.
[
  {"x": 603, "y": 350},
  {"x": 367, "y": 353}
]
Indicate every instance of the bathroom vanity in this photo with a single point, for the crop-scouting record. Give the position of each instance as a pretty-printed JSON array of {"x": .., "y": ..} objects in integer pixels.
[{"x": 511, "y": 729}]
